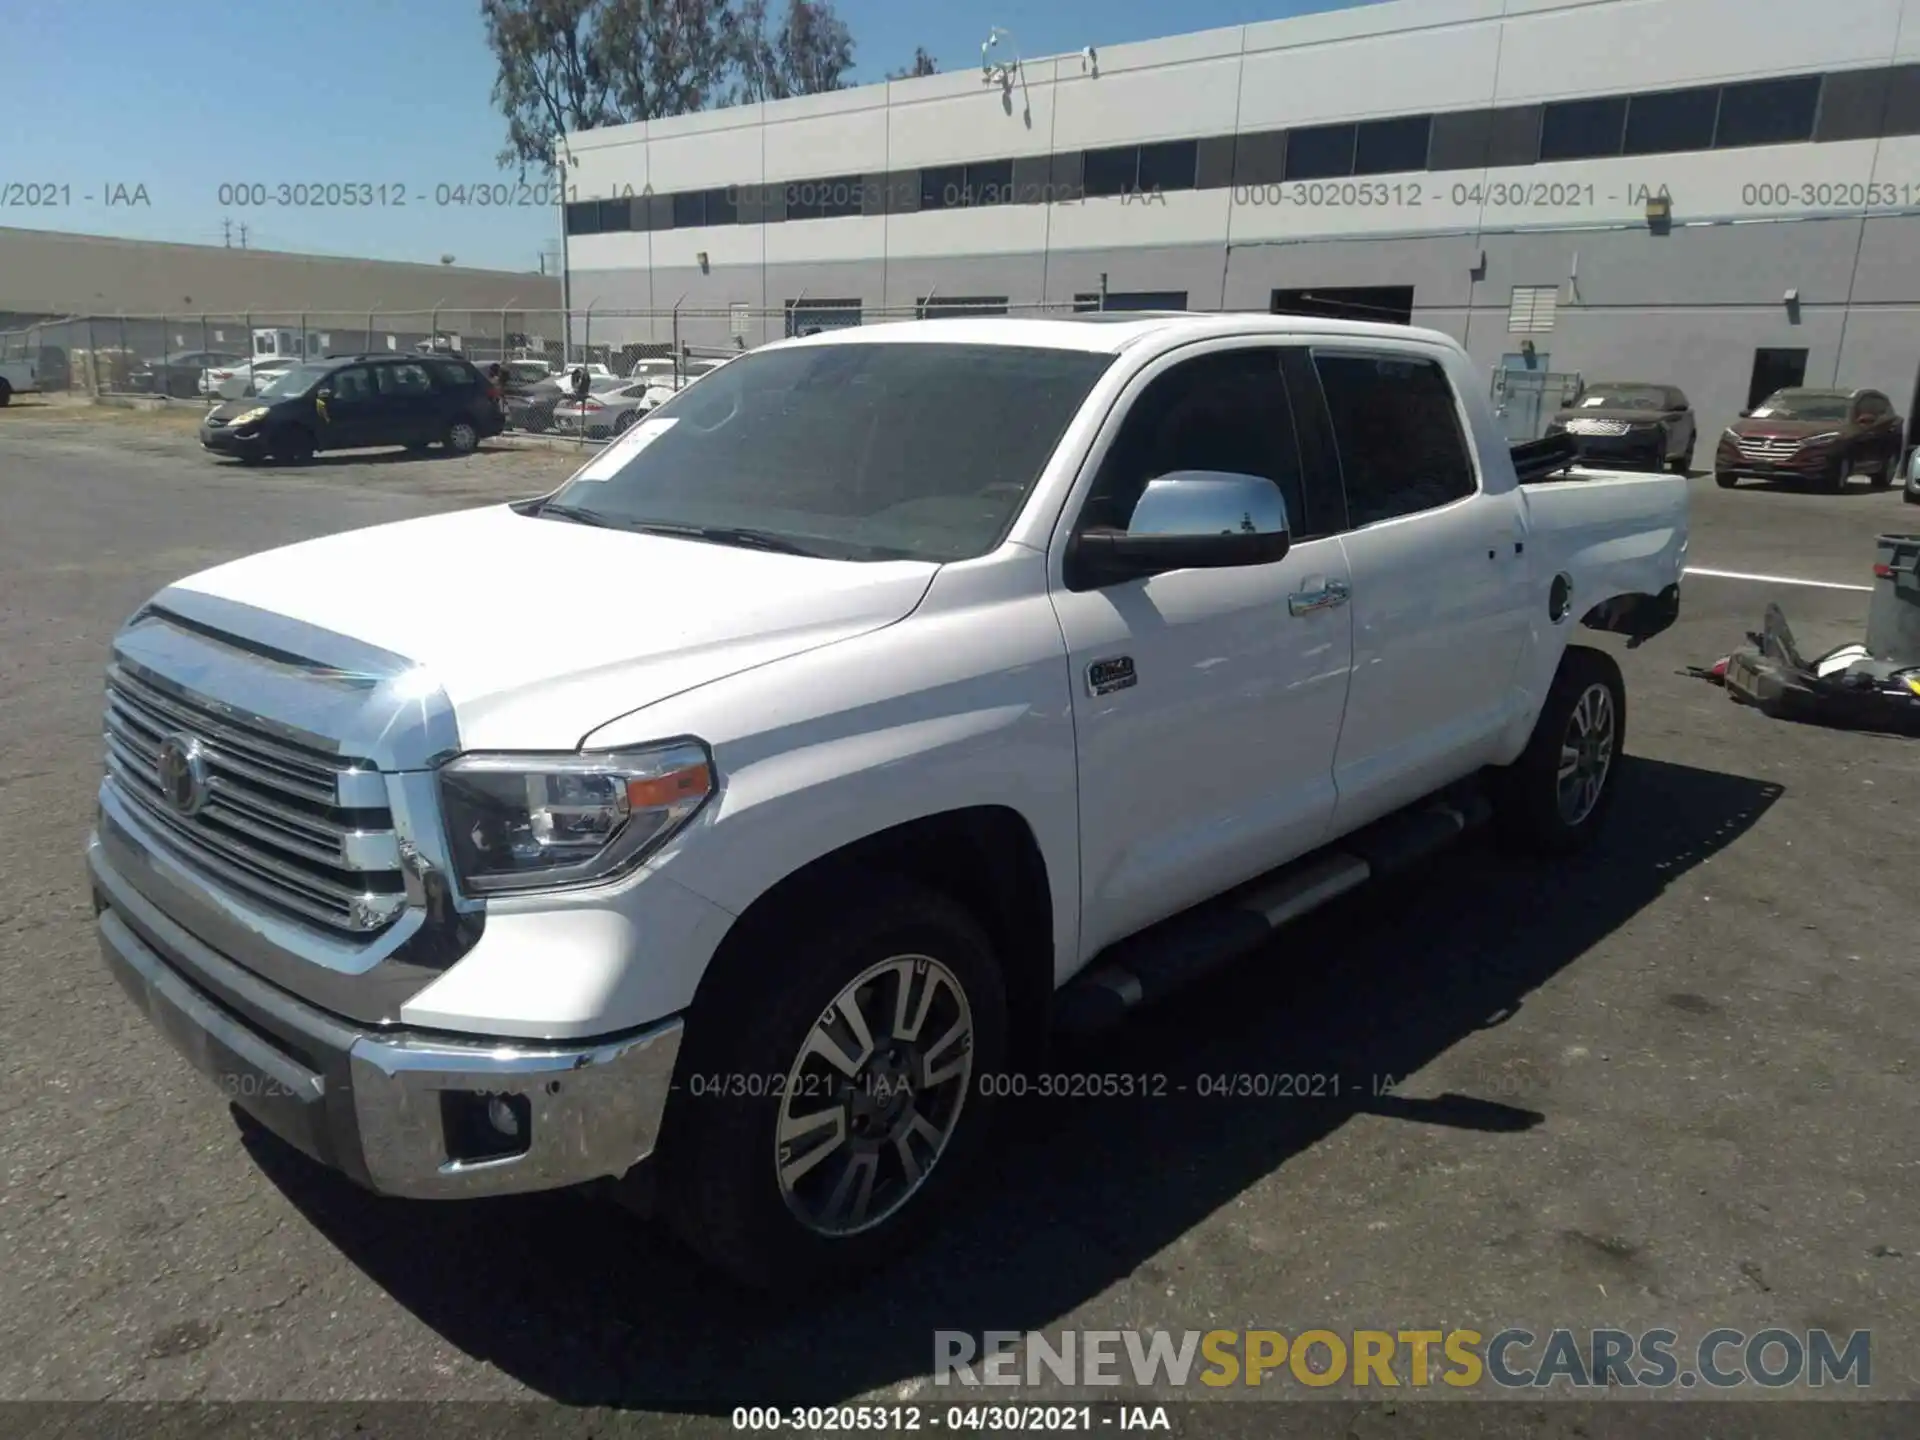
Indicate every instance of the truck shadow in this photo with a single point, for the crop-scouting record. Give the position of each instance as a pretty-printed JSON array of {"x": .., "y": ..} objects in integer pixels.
[{"x": 583, "y": 1304}]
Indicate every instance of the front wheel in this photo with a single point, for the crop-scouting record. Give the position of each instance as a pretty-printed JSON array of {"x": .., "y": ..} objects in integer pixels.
[
  {"x": 836, "y": 1088},
  {"x": 6, "y": 394},
  {"x": 1840, "y": 476},
  {"x": 1554, "y": 798},
  {"x": 1724, "y": 480},
  {"x": 462, "y": 437}
]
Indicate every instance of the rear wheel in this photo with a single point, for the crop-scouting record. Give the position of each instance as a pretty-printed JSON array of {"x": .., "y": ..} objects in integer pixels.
[
  {"x": 822, "y": 1128},
  {"x": 1554, "y": 798},
  {"x": 625, "y": 422},
  {"x": 6, "y": 393},
  {"x": 461, "y": 437}
]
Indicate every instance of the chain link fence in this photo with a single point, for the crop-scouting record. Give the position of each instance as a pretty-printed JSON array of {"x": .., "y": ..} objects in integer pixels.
[{"x": 634, "y": 358}]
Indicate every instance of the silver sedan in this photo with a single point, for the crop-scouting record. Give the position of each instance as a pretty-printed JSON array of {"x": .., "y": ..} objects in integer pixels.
[{"x": 608, "y": 409}]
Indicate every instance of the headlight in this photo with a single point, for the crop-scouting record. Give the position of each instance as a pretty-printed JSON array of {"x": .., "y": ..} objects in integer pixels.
[
  {"x": 1729, "y": 434},
  {"x": 1831, "y": 435},
  {"x": 535, "y": 822},
  {"x": 259, "y": 412}
]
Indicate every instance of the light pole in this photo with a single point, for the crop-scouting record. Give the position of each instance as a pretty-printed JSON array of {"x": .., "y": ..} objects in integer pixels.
[{"x": 560, "y": 158}]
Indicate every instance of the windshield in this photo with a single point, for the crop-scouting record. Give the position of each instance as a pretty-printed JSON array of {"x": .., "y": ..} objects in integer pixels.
[
  {"x": 292, "y": 381},
  {"x": 868, "y": 451},
  {"x": 1802, "y": 405},
  {"x": 1623, "y": 397}
]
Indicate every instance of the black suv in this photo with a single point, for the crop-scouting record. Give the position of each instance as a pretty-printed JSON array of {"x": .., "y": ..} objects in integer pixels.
[{"x": 355, "y": 402}]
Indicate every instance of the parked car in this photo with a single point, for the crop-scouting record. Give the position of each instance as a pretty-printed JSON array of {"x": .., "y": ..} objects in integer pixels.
[
  {"x": 1910, "y": 472},
  {"x": 179, "y": 375},
  {"x": 1630, "y": 422},
  {"x": 245, "y": 377},
  {"x": 531, "y": 391},
  {"x": 20, "y": 376},
  {"x": 832, "y": 766},
  {"x": 609, "y": 408},
  {"x": 358, "y": 402},
  {"x": 1806, "y": 437}
]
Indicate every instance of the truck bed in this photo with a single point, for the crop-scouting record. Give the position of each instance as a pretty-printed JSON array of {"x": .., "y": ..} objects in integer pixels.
[{"x": 1612, "y": 531}]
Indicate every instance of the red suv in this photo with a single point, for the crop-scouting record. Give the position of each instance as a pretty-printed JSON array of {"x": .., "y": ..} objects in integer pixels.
[{"x": 1818, "y": 437}]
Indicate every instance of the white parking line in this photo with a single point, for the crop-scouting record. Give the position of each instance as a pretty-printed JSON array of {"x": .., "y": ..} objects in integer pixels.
[{"x": 1775, "y": 579}]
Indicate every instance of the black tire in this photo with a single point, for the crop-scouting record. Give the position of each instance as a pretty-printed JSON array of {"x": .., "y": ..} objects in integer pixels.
[
  {"x": 720, "y": 1155},
  {"x": 1680, "y": 464},
  {"x": 1724, "y": 480},
  {"x": 1527, "y": 795},
  {"x": 1839, "y": 475},
  {"x": 1883, "y": 476},
  {"x": 462, "y": 437},
  {"x": 6, "y": 394},
  {"x": 294, "y": 445},
  {"x": 625, "y": 422}
]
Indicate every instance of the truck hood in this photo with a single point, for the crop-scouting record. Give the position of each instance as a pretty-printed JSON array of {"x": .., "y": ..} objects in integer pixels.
[{"x": 540, "y": 631}]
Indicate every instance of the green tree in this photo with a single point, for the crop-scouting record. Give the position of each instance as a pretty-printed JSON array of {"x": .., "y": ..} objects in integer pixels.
[
  {"x": 923, "y": 64},
  {"x": 809, "y": 52},
  {"x": 551, "y": 75}
]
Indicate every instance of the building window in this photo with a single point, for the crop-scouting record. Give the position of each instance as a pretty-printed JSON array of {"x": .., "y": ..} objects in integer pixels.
[
  {"x": 1583, "y": 129},
  {"x": 1089, "y": 300},
  {"x": 990, "y": 182},
  {"x": 616, "y": 216},
  {"x": 1671, "y": 121},
  {"x": 943, "y": 187},
  {"x": 1390, "y": 147},
  {"x": 809, "y": 317},
  {"x": 689, "y": 209},
  {"x": 1767, "y": 112},
  {"x": 936, "y": 307},
  {"x": 1321, "y": 152},
  {"x": 830, "y": 199},
  {"x": 1169, "y": 166},
  {"x": 583, "y": 218},
  {"x": 1112, "y": 172},
  {"x": 1531, "y": 310}
]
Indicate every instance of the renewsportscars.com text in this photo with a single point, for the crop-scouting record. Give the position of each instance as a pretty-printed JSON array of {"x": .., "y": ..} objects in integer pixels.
[{"x": 1598, "y": 1359}]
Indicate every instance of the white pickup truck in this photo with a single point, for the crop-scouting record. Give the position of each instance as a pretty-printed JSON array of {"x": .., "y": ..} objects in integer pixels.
[
  {"x": 19, "y": 375},
  {"x": 754, "y": 805}
]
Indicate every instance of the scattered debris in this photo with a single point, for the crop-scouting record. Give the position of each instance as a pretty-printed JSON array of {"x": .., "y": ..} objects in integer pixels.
[{"x": 1846, "y": 688}]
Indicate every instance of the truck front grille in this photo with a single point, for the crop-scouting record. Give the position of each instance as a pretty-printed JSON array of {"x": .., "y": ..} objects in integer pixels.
[
  {"x": 295, "y": 829},
  {"x": 1774, "y": 449}
]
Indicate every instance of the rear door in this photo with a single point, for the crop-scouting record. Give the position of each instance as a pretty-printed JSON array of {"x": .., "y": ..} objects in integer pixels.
[
  {"x": 408, "y": 408},
  {"x": 1439, "y": 579}
]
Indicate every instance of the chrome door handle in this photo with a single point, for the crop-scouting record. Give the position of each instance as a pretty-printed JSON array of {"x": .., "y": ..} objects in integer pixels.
[{"x": 1310, "y": 602}]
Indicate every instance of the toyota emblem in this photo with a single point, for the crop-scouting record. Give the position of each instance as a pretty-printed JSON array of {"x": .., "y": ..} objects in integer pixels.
[{"x": 182, "y": 771}]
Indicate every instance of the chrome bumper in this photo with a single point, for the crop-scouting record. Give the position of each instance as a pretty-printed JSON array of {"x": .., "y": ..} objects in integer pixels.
[{"x": 384, "y": 1106}]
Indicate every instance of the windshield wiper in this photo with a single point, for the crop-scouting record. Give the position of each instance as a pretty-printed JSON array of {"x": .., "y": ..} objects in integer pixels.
[
  {"x": 581, "y": 516},
  {"x": 747, "y": 539}
]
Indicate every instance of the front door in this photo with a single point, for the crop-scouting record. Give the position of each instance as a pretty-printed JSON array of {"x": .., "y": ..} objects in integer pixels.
[
  {"x": 1439, "y": 576},
  {"x": 349, "y": 415},
  {"x": 1206, "y": 711}
]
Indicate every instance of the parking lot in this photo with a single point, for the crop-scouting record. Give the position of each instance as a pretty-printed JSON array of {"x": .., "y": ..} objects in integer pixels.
[{"x": 1672, "y": 1083}]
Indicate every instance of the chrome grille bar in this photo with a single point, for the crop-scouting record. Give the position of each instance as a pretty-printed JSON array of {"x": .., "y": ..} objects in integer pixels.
[{"x": 306, "y": 832}]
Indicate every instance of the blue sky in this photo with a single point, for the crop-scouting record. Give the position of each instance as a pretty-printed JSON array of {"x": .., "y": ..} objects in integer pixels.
[{"x": 139, "y": 113}]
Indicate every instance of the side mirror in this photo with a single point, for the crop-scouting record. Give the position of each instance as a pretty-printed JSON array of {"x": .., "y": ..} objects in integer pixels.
[{"x": 1189, "y": 520}]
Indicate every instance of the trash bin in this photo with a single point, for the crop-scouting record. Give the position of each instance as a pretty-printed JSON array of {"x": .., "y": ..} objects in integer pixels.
[{"x": 1893, "y": 619}]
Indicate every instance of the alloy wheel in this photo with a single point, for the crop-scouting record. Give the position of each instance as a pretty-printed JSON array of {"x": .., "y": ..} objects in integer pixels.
[
  {"x": 1586, "y": 755},
  {"x": 875, "y": 1095}
]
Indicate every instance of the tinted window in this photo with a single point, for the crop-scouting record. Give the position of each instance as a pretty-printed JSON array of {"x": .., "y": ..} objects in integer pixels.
[
  {"x": 583, "y": 218},
  {"x": 1112, "y": 172},
  {"x": 1320, "y": 153},
  {"x": 1226, "y": 412},
  {"x": 352, "y": 384},
  {"x": 1171, "y": 166},
  {"x": 1768, "y": 112},
  {"x": 1387, "y": 147},
  {"x": 402, "y": 380},
  {"x": 859, "y": 452},
  {"x": 689, "y": 209},
  {"x": 451, "y": 376},
  {"x": 942, "y": 187},
  {"x": 616, "y": 215},
  {"x": 1397, "y": 428},
  {"x": 829, "y": 199},
  {"x": 990, "y": 183},
  {"x": 1577, "y": 129},
  {"x": 1671, "y": 121}
]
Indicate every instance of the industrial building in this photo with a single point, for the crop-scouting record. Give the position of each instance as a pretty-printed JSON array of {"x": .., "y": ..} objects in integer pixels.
[{"x": 1719, "y": 194}]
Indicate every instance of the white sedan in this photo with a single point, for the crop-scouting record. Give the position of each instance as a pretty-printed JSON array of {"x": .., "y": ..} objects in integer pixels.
[{"x": 231, "y": 381}]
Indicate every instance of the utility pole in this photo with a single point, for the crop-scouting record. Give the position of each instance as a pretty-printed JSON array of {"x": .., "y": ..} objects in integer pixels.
[
  {"x": 566, "y": 280},
  {"x": 243, "y": 235},
  {"x": 226, "y": 230}
]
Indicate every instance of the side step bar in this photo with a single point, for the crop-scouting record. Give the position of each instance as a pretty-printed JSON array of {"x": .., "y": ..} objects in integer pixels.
[{"x": 1147, "y": 967}]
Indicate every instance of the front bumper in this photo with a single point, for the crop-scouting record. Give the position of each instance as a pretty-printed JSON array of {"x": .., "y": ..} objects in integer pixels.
[
  {"x": 1633, "y": 448},
  {"x": 393, "y": 1110},
  {"x": 222, "y": 440}
]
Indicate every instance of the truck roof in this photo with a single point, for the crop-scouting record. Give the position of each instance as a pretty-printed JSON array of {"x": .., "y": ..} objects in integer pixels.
[{"x": 1110, "y": 331}]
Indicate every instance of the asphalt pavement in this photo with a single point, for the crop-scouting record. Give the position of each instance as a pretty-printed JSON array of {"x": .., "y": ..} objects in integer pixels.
[{"x": 1671, "y": 1083}]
